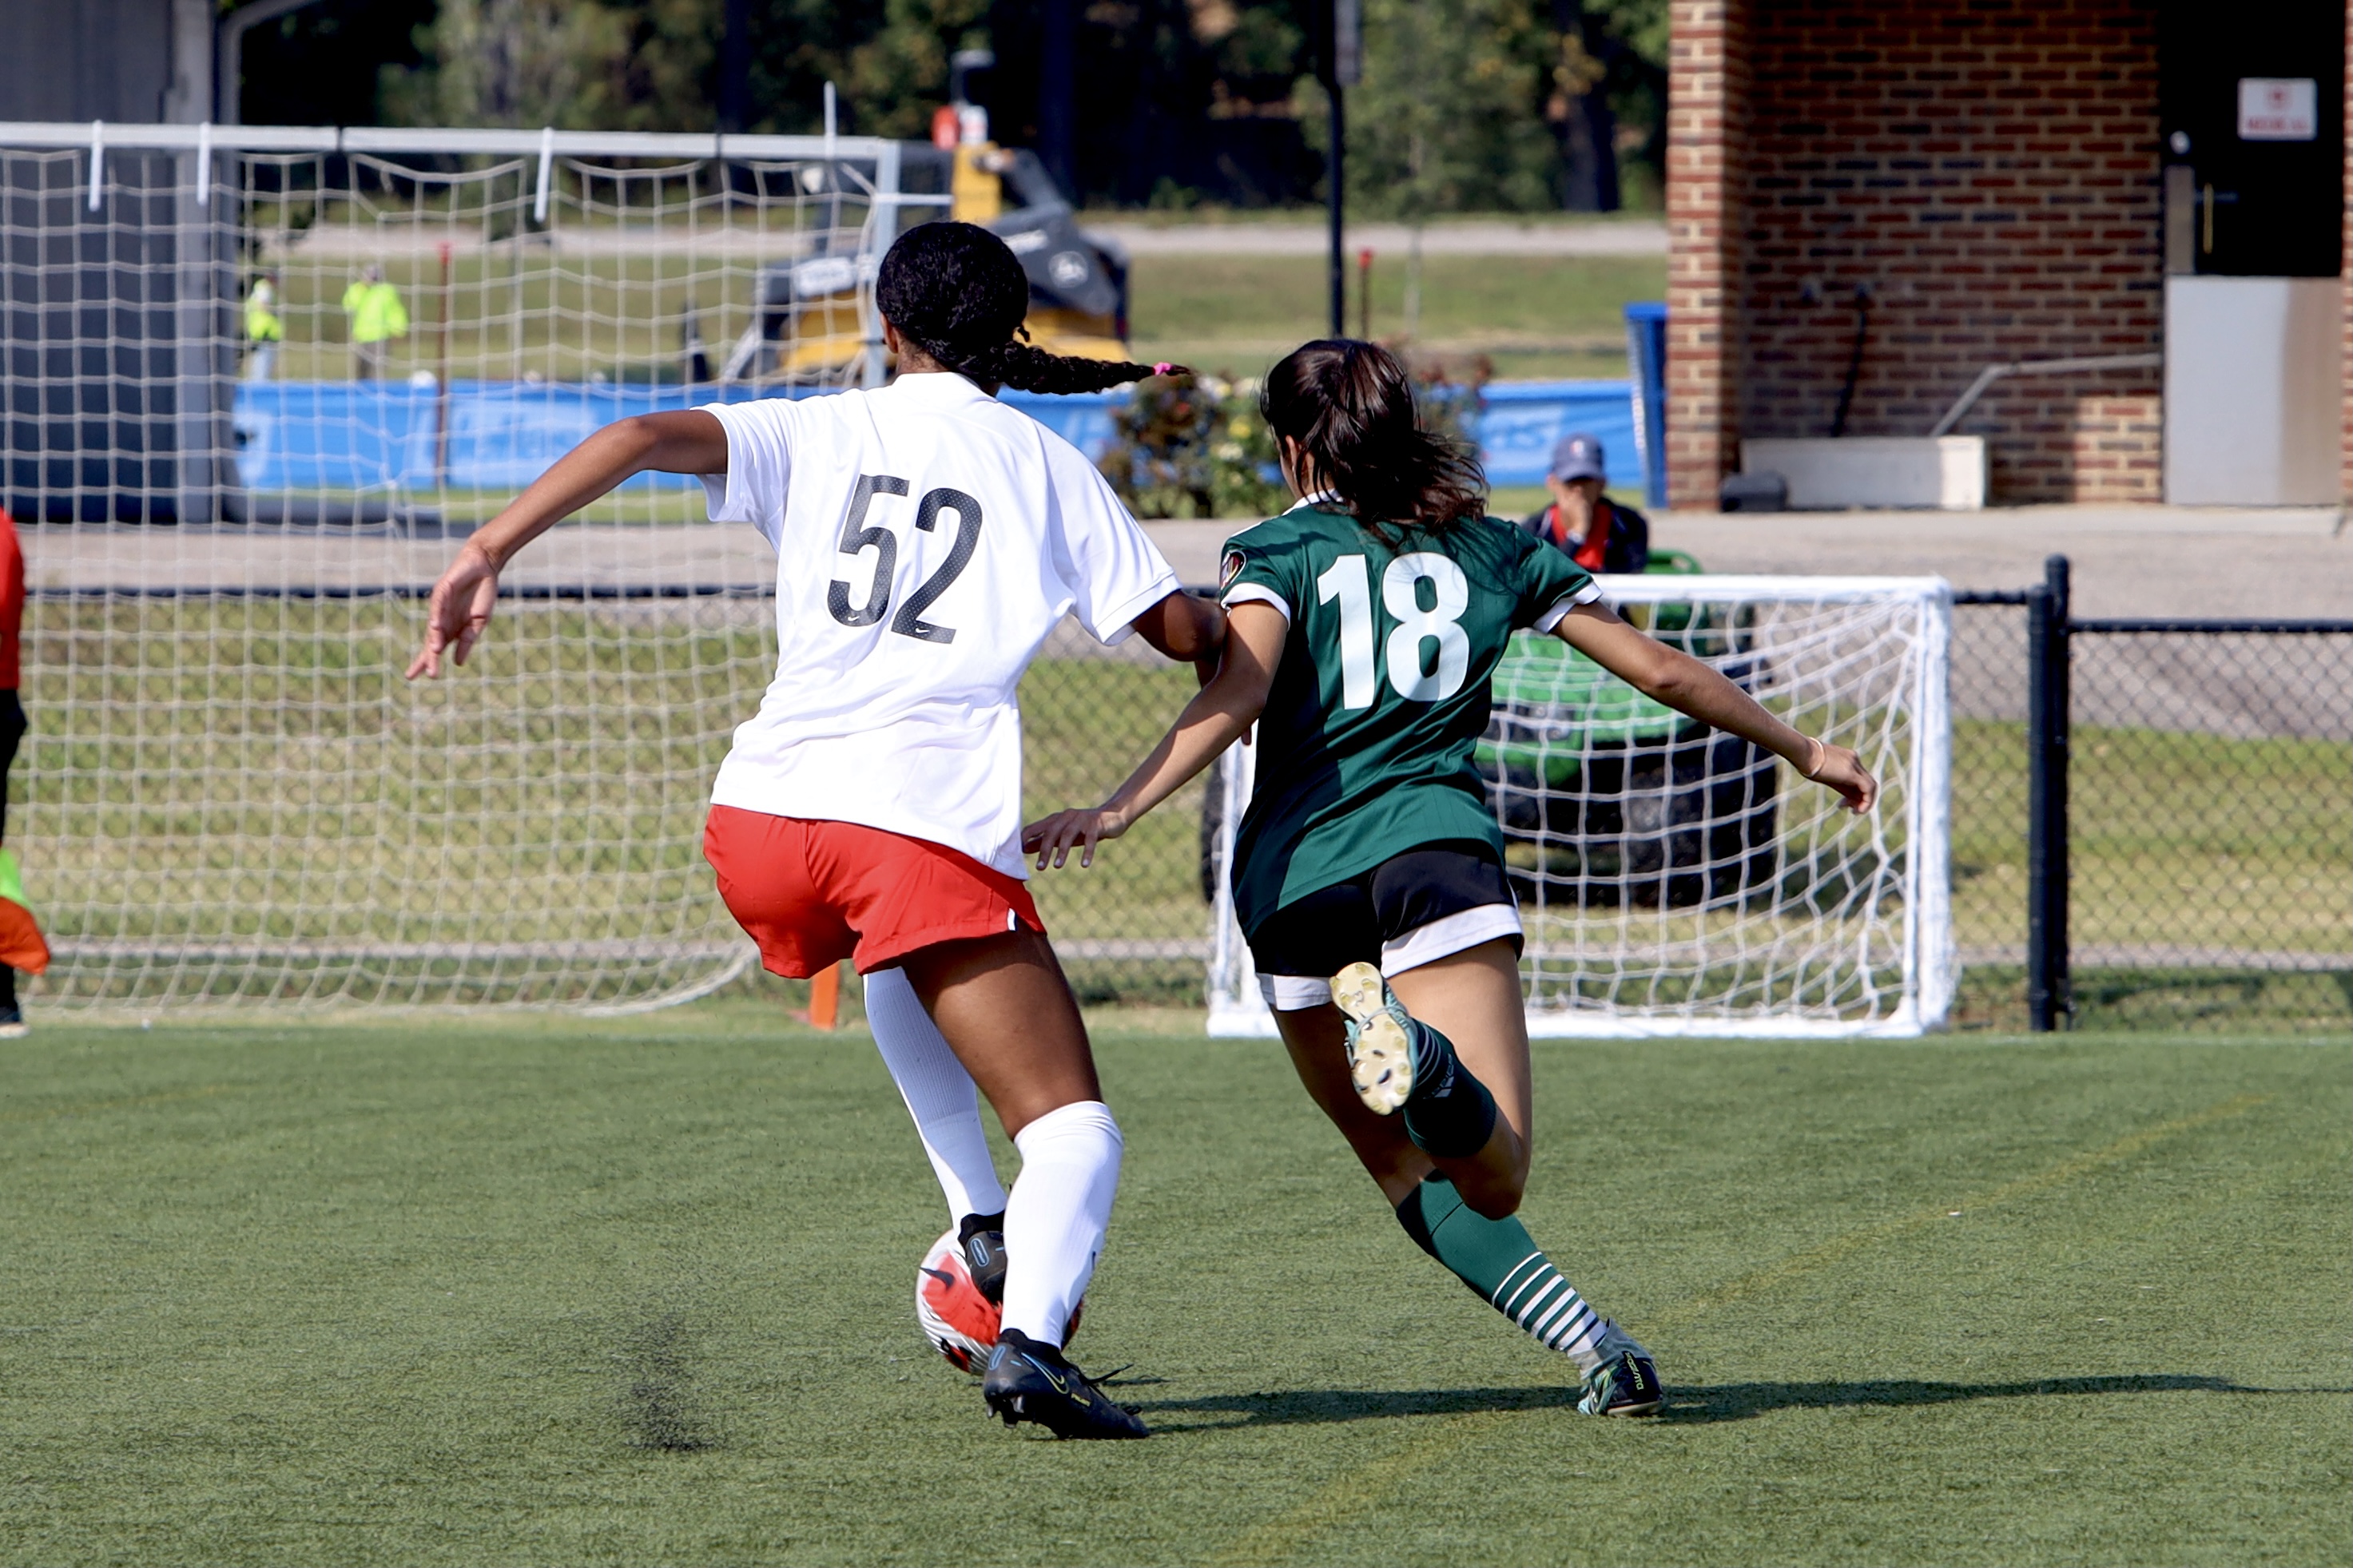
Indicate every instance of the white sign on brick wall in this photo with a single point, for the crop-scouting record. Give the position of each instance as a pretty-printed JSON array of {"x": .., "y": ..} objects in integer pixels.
[{"x": 2278, "y": 109}]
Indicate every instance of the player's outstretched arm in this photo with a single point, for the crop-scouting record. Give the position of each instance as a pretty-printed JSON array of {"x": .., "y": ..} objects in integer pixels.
[
  {"x": 687, "y": 441},
  {"x": 1672, "y": 677},
  {"x": 1218, "y": 715}
]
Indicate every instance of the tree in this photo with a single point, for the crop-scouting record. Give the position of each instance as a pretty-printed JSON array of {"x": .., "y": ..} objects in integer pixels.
[
  {"x": 652, "y": 64},
  {"x": 1449, "y": 115},
  {"x": 513, "y": 62}
]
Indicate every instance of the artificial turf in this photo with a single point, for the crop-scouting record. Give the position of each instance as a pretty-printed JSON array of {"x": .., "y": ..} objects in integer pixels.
[{"x": 640, "y": 1291}]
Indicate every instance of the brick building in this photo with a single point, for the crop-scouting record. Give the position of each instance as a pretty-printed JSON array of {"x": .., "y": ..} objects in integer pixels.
[{"x": 1976, "y": 182}]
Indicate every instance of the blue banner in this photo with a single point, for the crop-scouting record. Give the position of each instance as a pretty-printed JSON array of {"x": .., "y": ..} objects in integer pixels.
[{"x": 502, "y": 435}]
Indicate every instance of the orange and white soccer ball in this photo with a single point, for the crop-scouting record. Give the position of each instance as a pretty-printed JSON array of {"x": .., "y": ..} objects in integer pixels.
[{"x": 960, "y": 1321}]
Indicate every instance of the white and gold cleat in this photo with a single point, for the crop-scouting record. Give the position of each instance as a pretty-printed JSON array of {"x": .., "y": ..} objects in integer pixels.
[{"x": 1380, "y": 1044}]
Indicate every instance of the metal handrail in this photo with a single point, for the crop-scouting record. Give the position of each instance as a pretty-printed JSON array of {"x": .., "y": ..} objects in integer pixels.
[{"x": 2081, "y": 366}]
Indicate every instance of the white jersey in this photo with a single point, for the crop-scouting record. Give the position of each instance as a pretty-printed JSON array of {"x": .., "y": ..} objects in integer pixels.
[{"x": 928, "y": 539}]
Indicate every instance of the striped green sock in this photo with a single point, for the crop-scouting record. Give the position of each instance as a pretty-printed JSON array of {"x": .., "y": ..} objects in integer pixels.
[{"x": 1499, "y": 1259}]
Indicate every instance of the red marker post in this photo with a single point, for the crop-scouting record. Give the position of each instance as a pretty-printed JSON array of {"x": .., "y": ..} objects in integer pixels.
[{"x": 442, "y": 395}]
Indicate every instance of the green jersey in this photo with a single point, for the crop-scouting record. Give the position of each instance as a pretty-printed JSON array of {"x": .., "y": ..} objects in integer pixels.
[{"x": 1364, "y": 751}]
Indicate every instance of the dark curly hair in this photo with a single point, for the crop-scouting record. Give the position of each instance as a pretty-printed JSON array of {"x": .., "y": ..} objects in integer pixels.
[
  {"x": 1349, "y": 405},
  {"x": 957, "y": 292}
]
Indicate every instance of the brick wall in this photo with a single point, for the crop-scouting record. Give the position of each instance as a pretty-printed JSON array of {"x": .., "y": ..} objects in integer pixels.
[
  {"x": 2118, "y": 450},
  {"x": 1990, "y": 172},
  {"x": 1706, "y": 129},
  {"x": 1986, "y": 169}
]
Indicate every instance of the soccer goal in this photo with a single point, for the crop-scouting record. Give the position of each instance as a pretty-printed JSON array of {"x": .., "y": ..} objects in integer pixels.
[
  {"x": 1674, "y": 881},
  {"x": 263, "y": 379}
]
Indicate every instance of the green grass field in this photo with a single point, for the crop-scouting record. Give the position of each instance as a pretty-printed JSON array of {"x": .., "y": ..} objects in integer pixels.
[{"x": 639, "y": 1291}]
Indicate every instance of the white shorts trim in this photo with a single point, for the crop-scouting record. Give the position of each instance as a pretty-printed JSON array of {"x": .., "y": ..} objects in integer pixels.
[
  {"x": 1448, "y": 935},
  {"x": 1442, "y": 938},
  {"x": 1294, "y": 993}
]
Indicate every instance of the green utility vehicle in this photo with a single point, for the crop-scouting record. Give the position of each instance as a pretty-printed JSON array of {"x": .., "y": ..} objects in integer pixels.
[{"x": 1607, "y": 797}]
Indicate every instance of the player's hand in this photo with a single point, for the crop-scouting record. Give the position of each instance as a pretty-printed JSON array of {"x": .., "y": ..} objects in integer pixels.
[
  {"x": 458, "y": 611},
  {"x": 1835, "y": 767},
  {"x": 1055, "y": 836}
]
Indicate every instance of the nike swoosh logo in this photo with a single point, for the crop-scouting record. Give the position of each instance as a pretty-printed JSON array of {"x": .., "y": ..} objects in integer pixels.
[
  {"x": 1060, "y": 1387},
  {"x": 942, "y": 1274}
]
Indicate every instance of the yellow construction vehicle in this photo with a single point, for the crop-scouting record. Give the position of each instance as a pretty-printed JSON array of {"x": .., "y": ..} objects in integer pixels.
[{"x": 808, "y": 328}]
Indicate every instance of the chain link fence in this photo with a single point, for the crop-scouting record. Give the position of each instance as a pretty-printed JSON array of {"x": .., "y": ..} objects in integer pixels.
[
  {"x": 2209, "y": 824},
  {"x": 1133, "y": 927},
  {"x": 2207, "y": 827}
]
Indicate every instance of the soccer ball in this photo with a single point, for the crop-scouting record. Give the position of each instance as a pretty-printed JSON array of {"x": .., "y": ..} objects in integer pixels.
[{"x": 960, "y": 1321}]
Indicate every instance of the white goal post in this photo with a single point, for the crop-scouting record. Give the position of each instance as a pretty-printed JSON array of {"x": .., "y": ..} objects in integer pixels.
[{"x": 1674, "y": 880}]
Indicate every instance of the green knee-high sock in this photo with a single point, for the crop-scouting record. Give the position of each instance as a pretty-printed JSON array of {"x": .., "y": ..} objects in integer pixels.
[
  {"x": 1449, "y": 1113},
  {"x": 1497, "y": 1258}
]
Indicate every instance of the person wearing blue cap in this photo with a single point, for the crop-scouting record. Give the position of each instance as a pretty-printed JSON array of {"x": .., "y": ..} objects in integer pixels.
[{"x": 1601, "y": 535}]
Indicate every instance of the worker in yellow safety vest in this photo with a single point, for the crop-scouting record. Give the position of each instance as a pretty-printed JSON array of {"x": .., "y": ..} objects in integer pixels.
[
  {"x": 377, "y": 317},
  {"x": 263, "y": 328}
]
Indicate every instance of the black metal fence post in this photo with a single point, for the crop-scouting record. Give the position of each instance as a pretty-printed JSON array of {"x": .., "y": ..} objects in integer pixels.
[{"x": 2047, "y": 720}]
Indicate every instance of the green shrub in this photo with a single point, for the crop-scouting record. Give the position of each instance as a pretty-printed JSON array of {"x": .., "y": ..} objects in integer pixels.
[{"x": 1195, "y": 446}]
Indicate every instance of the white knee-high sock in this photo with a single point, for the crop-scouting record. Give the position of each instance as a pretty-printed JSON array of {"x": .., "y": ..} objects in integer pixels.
[
  {"x": 1061, "y": 1206},
  {"x": 939, "y": 1094}
]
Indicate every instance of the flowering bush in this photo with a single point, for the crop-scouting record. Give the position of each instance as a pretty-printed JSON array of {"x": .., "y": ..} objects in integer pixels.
[
  {"x": 1189, "y": 445},
  {"x": 1195, "y": 447}
]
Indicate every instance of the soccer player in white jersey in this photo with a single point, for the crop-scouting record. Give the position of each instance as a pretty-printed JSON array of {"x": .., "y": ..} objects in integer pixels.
[
  {"x": 1369, "y": 868},
  {"x": 927, "y": 540}
]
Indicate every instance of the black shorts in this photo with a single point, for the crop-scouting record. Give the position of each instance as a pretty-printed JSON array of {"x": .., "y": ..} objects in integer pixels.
[{"x": 1410, "y": 910}]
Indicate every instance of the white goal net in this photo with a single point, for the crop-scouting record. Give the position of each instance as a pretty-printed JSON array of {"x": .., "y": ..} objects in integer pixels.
[
  {"x": 233, "y": 499},
  {"x": 1676, "y": 880}
]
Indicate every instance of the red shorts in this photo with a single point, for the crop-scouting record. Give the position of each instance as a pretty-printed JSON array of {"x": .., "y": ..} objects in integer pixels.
[{"x": 814, "y": 893}]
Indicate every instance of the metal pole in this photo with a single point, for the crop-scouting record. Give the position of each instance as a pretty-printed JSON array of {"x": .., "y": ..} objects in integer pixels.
[
  {"x": 441, "y": 381},
  {"x": 2058, "y": 861},
  {"x": 2038, "y": 788},
  {"x": 1343, "y": 68},
  {"x": 2046, "y": 799},
  {"x": 736, "y": 66},
  {"x": 1339, "y": 269}
]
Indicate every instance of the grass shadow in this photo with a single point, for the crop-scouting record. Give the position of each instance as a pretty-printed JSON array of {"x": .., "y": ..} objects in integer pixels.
[
  {"x": 1708, "y": 1402},
  {"x": 1318, "y": 1406},
  {"x": 1696, "y": 1405}
]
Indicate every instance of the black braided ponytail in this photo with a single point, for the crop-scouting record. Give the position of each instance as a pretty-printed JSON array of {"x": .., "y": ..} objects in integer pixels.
[{"x": 957, "y": 292}]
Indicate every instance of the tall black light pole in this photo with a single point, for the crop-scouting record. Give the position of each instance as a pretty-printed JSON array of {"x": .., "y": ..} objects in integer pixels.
[
  {"x": 1343, "y": 69},
  {"x": 736, "y": 66},
  {"x": 1058, "y": 73}
]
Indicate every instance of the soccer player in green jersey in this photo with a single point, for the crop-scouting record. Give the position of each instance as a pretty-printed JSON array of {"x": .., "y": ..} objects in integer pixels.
[{"x": 1369, "y": 873}]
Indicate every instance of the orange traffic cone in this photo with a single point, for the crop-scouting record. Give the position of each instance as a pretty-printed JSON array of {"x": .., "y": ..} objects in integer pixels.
[{"x": 22, "y": 945}]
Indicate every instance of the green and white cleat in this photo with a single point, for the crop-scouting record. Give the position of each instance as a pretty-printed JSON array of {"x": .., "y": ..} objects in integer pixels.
[
  {"x": 1380, "y": 1037},
  {"x": 1627, "y": 1381}
]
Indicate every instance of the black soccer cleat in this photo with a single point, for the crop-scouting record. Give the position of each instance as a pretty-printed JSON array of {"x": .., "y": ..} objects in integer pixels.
[
  {"x": 981, "y": 1237},
  {"x": 1031, "y": 1382}
]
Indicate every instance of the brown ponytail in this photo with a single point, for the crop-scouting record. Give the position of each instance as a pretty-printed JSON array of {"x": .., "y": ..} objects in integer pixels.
[{"x": 1349, "y": 406}]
